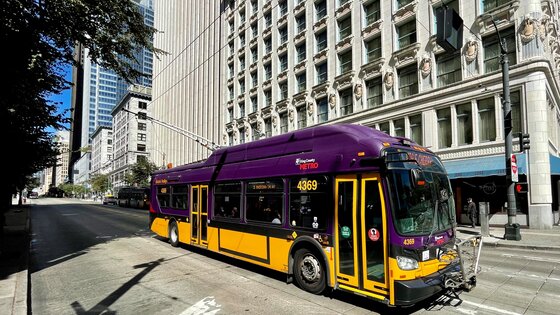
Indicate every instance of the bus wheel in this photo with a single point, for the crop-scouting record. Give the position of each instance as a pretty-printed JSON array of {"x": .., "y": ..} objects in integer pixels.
[
  {"x": 309, "y": 271},
  {"x": 173, "y": 234}
]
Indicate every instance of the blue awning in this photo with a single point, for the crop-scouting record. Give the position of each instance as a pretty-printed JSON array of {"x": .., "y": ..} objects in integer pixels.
[
  {"x": 485, "y": 166},
  {"x": 554, "y": 165}
]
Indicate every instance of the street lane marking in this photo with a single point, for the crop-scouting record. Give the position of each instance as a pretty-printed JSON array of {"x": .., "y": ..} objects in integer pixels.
[
  {"x": 491, "y": 308},
  {"x": 203, "y": 307},
  {"x": 543, "y": 259}
]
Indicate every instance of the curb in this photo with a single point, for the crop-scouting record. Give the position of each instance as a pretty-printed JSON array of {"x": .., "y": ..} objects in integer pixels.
[{"x": 521, "y": 246}]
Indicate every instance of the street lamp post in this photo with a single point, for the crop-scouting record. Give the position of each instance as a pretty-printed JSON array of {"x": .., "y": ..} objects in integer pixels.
[{"x": 512, "y": 231}]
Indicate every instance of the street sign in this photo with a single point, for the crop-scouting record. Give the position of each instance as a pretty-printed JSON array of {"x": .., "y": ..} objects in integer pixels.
[{"x": 514, "y": 170}]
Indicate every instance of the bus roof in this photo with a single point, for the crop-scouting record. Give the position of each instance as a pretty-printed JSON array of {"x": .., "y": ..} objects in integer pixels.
[{"x": 312, "y": 150}]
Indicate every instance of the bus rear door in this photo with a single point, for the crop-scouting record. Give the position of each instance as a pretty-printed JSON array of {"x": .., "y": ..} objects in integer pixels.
[
  {"x": 199, "y": 214},
  {"x": 361, "y": 236}
]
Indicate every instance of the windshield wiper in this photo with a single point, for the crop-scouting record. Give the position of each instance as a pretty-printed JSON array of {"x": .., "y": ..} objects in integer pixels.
[{"x": 434, "y": 223}]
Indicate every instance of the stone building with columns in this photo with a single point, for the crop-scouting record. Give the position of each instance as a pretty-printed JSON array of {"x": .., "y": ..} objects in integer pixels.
[{"x": 256, "y": 68}]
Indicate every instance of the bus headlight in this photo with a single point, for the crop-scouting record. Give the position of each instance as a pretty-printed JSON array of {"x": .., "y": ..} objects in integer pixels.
[{"x": 406, "y": 263}]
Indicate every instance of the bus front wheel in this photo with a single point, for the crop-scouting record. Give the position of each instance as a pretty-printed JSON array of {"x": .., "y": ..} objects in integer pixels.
[
  {"x": 309, "y": 271},
  {"x": 173, "y": 234}
]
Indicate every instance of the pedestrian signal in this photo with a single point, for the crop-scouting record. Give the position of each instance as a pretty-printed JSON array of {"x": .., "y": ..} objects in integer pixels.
[{"x": 521, "y": 188}]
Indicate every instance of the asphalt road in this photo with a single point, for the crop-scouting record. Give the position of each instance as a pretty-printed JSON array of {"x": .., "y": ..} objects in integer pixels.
[{"x": 92, "y": 259}]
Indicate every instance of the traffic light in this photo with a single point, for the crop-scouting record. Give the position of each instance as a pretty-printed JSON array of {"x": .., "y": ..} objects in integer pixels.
[
  {"x": 524, "y": 142},
  {"x": 521, "y": 188}
]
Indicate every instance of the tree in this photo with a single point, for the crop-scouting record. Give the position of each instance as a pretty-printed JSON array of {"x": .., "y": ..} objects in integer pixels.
[
  {"x": 41, "y": 36},
  {"x": 140, "y": 172},
  {"x": 99, "y": 183}
]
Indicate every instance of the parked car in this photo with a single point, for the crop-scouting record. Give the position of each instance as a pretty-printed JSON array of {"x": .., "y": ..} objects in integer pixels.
[
  {"x": 109, "y": 200},
  {"x": 33, "y": 195}
]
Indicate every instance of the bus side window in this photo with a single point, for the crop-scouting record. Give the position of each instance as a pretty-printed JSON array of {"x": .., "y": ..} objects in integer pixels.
[
  {"x": 227, "y": 200},
  {"x": 308, "y": 201}
]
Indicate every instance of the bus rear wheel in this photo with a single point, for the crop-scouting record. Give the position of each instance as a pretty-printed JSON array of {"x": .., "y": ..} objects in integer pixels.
[
  {"x": 173, "y": 234},
  {"x": 309, "y": 271}
]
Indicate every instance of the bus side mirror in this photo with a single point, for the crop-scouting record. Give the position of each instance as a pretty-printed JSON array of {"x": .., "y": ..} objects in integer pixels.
[{"x": 417, "y": 176}]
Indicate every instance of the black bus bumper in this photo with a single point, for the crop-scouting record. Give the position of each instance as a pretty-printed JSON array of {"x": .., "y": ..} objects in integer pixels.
[{"x": 413, "y": 291}]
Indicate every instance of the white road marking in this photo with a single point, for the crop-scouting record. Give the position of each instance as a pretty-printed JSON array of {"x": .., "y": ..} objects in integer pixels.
[
  {"x": 490, "y": 308},
  {"x": 533, "y": 258},
  {"x": 203, "y": 307}
]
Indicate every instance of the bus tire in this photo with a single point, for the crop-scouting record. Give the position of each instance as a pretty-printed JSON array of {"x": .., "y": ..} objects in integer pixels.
[
  {"x": 173, "y": 234},
  {"x": 309, "y": 271}
]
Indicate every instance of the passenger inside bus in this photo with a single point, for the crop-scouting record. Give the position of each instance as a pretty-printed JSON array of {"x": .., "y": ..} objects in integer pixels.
[{"x": 277, "y": 218}]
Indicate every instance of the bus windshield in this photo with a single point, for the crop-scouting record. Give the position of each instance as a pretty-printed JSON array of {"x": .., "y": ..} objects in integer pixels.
[{"x": 421, "y": 195}]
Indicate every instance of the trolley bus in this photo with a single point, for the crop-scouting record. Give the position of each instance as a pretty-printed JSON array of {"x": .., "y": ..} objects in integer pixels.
[
  {"x": 342, "y": 206},
  {"x": 134, "y": 197}
]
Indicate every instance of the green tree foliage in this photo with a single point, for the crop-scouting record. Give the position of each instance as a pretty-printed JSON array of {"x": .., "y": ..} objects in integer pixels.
[
  {"x": 100, "y": 183},
  {"x": 40, "y": 38},
  {"x": 140, "y": 173}
]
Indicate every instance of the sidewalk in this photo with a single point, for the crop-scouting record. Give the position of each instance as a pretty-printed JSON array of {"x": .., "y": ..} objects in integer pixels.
[
  {"x": 530, "y": 239},
  {"x": 14, "y": 261}
]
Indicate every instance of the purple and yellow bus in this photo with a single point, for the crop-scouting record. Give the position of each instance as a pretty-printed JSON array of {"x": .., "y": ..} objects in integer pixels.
[{"x": 341, "y": 206}]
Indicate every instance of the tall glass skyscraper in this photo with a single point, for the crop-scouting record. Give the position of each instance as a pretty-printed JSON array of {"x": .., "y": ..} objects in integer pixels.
[{"x": 102, "y": 88}]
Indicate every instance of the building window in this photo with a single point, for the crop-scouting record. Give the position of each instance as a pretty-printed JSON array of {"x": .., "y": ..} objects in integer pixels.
[
  {"x": 230, "y": 114},
  {"x": 141, "y": 137},
  {"x": 374, "y": 93},
  {"x": 373, "y": 49},
  {"x": 486, "y": 120},
  {"x": 346, "y": 102},
  {"x": 515, "y": 99},
  {"x": 320, "y": 9},
  {"x": 321, "y": 40},
  {"x": 408, "y": 81},
  {"x": 300, "y": 51},
  {"x": 283, "y": 62},
  {"x": 415, "y": 124},
  {"x": 254, "y": 103},
  {"x": 321, "y": 72},
  {"x": 267, "y": 97},
  {"x": 301, "y": 117},
  {"x": 230, "y": 138},
  {"x": 254, "y": 30},
  {"x": 267, "y": 45},
  {"x": 444, "y": 128},
  {"x": 256, "y": 135},
  {"x": 254, "y": 54},
  {"x": 283, "y": 32},
  {"x": 284, "y": 122},
  {"x": 406, "y": 34},
  {"x": 448, "y": 69},
  {"x": 300, "y": 22},
  {"x": 231, "y": 48},
  {"x": 109, "y": 141},
  {"x": 230, "y": 70},
  {"x": 492, "y": 50},
  {"x": 242, "y": 63},
  {"x": 283, "y": 90},
  {"x": 384, "y": 127},
  {"x": 267, "y": 20},
  {"x": 141, "y": 147},
  {"x": 241, "y": 109},
  {"x": 242, "y": 40},
  {"x": 283, "y": 7},
  {"x": 142, "y": 105},
  {"x": 141, "y": 126},
  {"x": 268, "y": 127},
  {"x": 464, "y": 124},
  {"x": 345, "y": 62},
  {"x": 230, "y": 91},
  {"x": 267, "y": 71},
  {"x": 242, "y": 86},
  {"x": 322, "y": 110},
  {"x": 231, "y": 26},
  {"x": 254, "y": 79},
  {"x": 301, "y": 82},
  {"x": 488, "y": 5},
  {"x": 344, "y": 28},
  {"x": 254, "y": 6},
  {"x": 242, "y": 135},
  {"x": 242, "y": 16},
  {"x": 402, "y": 3},
  {"x": 372, "y": 12},
  {"x": 398, "y": 127}
]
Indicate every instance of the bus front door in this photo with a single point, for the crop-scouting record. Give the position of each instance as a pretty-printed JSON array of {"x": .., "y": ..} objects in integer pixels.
[
  {"x": 361, "y": 240},
  {"x": 199, "y": 214}
]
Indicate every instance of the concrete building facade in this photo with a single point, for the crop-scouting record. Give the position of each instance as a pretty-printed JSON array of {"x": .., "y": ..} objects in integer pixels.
[
  {"x": 283, "y": 65},
  {"x": 101, "y": 151},
  {"x": 130, "y": 133}
]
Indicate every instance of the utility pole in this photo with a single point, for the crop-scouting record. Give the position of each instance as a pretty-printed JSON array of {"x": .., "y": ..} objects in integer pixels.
[{"x": 512, "y": 230}]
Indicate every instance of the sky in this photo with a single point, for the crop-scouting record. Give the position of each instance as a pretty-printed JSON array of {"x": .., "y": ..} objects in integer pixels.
[{"x": 64, "y": 97}]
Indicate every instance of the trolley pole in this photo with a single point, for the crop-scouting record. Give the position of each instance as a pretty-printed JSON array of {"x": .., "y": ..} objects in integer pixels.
[{"x": 512, "y": 231}]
